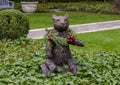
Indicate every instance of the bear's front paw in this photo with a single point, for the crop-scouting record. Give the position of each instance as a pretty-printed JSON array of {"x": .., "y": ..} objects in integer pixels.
[{"x": 70, "y": 39}]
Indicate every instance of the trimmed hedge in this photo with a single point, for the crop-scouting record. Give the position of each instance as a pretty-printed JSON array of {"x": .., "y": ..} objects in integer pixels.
[
  {"x": 98, "y": 7},
  {"x": 60, "y": 0},
  {"x": 30, "y": 0},
  {"x": 13, "y": 24}
]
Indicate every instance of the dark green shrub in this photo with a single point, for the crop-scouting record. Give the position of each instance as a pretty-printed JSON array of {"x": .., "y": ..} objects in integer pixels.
[
  {"x": 42, "y": 8},
  {"x": 13, "y": 24},
  {"x": 98, "y": 7}
]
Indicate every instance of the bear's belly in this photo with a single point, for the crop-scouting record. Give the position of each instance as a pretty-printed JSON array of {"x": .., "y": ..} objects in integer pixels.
[{"x": 61, "y": 55}]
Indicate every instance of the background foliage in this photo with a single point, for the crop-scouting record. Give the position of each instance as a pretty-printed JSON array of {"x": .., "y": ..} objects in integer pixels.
[
  {"x": 61, "y": 0},
  {"x": 98, "y": 7}
]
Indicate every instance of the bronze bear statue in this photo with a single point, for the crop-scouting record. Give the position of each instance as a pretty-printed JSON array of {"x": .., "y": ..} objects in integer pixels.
[{"x": 58, "y": 56}]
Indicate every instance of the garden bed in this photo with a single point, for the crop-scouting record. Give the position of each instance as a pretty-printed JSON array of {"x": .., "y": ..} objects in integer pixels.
[{"x": 98, "y": 61}]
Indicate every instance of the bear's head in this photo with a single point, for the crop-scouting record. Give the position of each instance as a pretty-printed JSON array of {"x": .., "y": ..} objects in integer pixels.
[{"x": 61, "y": 23}]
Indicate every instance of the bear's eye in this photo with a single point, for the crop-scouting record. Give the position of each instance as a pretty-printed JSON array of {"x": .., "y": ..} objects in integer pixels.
[{"x": 57, "y": 20}]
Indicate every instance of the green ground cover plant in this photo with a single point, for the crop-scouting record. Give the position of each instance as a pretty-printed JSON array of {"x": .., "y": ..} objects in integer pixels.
[
  {"x": 98, "y": 61},
  {"x": 44, "y": 20}
]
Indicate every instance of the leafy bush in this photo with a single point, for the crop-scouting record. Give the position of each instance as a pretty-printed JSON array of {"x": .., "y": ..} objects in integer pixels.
[
  {"x": 13, "y": 24},
  {"x": 42, "y": 8},
  {"x": 98, "y": 7},
  {"x": 60, "y": 0},
  {"x": 20, "y": 59}
]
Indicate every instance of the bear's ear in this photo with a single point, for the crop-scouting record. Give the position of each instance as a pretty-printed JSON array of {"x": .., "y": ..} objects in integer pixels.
[
  {"x": 66, "y": 16},
  {"x": 54, "y": 16}
]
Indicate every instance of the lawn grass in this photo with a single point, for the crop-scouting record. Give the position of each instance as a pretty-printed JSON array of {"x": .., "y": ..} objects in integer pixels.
[
  {"x": 103, "y": 40},
  {"x": 44, "y": 20}
]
